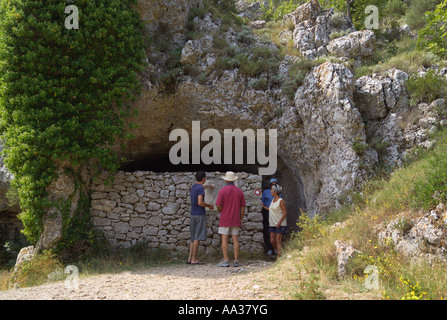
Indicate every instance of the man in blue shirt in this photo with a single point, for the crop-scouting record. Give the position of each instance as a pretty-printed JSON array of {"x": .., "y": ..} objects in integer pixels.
[
  {"x": 198, "y": 216},
  {"x": 266, "y": 201}
]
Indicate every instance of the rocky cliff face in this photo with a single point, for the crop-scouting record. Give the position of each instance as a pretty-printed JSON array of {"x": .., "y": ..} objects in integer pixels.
[
  {"x": 332, "y": 131},
  {"x": 330, "y": 136}
]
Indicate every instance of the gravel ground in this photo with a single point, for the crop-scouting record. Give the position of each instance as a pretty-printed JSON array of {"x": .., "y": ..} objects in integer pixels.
[{"x": 201, "y": 282}]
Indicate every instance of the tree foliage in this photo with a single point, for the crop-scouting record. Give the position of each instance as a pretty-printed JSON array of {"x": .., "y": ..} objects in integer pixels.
[
  {"x": 63, "y": 92},
  {"x": 434, "y": 34}
]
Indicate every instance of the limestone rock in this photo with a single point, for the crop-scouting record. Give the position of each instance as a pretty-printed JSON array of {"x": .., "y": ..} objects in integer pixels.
[
  {"x": 252, "y": 10},
  {"x": 313, "y": 27},
  {"x": 321, "y": 148},
  {"x": 171, "y": 13},
  {"x": 422, "y": 238},
  {"x": 355, "y": 45},
  {"x": 170, "y": 208},
  {"x": 382, "y": 100},
  {"x": 25, "y": 254},
  {"x": 5, "y": 178},
  {"x": 345, "y": 251},
  {"x": 103, "y": 205}
]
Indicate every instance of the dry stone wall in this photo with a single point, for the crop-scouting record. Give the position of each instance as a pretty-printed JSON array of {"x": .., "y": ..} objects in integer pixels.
[{"x": 155, "y": 208}]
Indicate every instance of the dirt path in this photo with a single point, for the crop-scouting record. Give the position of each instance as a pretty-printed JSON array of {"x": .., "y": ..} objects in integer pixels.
[{"x": 202, "y": 282}]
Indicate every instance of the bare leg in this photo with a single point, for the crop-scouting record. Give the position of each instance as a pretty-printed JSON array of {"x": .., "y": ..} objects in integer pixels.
[
  {"x": 236, "y": 247},
  {"x": 190, "y": 251},
  {"x": 273, "y": 240},
  {"x": 225, "y": 246},
  {"x": 194, "y": 248},
  {"x": 278, "y": 243}
]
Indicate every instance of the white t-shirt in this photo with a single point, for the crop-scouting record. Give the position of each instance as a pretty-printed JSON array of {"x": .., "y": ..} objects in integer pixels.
[{"x": 275, "y": 213}]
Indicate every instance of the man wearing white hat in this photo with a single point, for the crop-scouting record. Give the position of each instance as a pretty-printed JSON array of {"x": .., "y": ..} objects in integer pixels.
[{"x": 231, "y": 204}]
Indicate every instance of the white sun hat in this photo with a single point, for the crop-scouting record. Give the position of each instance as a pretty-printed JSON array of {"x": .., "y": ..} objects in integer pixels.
[{"x": 229, "y": 176}]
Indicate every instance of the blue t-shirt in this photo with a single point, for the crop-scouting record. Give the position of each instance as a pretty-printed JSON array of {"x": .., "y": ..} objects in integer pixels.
[
  {"x": 267, "y": 197},
  {"x": 196, "y": 191}
]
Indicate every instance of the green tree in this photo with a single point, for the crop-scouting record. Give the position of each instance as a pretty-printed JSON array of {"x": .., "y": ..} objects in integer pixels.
[
  {"x": 434, "y": 35},
  {"x": 63, "y": 94}
]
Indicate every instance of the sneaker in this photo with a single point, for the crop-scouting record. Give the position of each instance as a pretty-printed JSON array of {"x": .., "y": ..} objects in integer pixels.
[
  {"x": 269, "y": 252},
  {"x": 236, "y": 264},
  {"x": 223, "y": 263}
]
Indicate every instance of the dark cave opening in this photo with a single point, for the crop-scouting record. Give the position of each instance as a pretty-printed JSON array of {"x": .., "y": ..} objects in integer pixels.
[{"x": 163, "y": 164}]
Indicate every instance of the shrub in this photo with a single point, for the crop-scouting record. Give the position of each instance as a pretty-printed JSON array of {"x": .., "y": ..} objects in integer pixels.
[
  {"x": 427, "y": 88},
  {"x": 434, "y": 34},
  {"x": 297, "y": 73},
  {"x": 259, "y": 84},
  {"x": 415, "y": 17},
  {"x": 276, "y": 9},
  {"x": 63, "y": 92},
  {"x": 359, "y": 146},
  {"x": 310, "y": 229},
  {"x": 36, "y": 271}
]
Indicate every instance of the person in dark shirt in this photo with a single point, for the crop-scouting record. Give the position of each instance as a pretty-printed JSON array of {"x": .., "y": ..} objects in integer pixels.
[{"x": 198, "y": 216}]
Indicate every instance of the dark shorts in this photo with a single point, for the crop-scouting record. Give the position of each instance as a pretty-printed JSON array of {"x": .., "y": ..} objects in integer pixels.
[
  {"x": 282, "y": 229},
  {"x": 198, "y": 227}
]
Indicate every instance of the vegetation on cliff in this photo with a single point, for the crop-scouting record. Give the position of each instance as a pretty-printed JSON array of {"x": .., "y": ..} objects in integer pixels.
[{"x": 64, "y": 92}]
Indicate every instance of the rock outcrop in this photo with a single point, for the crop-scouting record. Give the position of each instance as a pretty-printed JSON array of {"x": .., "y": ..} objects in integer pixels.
[
  {"x": 317, "y": 136},
  {"x": 420, "y": 239},
  {"x": 169, "y": 13},
  {"x": 319, "y": 131},
  {"x": 345, "y": 252},
  {"x": 356, "y": 45},
  {"x": 25, "y": 254},
  {"x": 313, "y": 28}
]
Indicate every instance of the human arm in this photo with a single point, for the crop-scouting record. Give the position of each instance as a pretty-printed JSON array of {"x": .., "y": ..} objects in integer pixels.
[
  {"x": 283, "y": 207},
  {"x": 242, "y": 206},
  {"x": 242, "y": 213},
  {"x": 263, "y": 200},
  {"x": 219, "y": 202},
  {"x": 203, "y": 203}
]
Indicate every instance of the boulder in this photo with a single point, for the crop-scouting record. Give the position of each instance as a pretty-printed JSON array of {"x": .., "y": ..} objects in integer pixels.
[
  {"x": 378, "y": 94},
  {"x": 313, "y": 27},
  {"x": 25, "y": 254},
  {"x": 345, "y": 252},
  {"x": 356, "y": 45},
  {"x": 420, "y": 239}
]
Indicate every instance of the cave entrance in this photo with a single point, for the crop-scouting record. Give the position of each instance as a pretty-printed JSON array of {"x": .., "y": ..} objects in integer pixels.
[
  {"x": 163, "y": 164},
  {"x": 293, "y": 190}
]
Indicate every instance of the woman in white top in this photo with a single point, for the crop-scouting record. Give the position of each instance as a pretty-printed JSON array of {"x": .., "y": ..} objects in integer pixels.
[{"x": 277, "y": 218}]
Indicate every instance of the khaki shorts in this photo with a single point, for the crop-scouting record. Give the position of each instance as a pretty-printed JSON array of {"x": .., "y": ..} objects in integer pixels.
[{"x": 234, "y": 231}]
